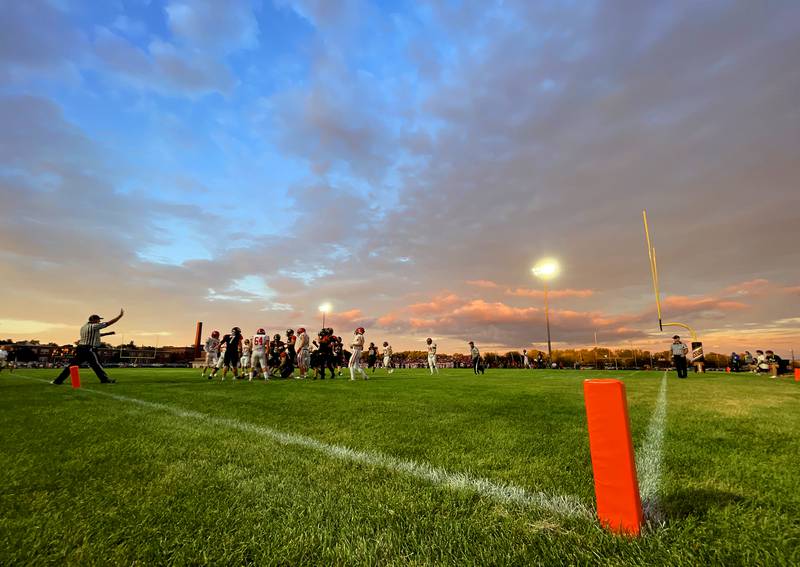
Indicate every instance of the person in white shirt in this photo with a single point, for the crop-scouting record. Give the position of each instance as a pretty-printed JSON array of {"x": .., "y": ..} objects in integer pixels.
[
  {"x": 211, "y": 348},
  {"x": 303, "y": 348},
  {"x": 387, "y": 357},
  {"x": 432, "y": 356},
  {"x": 357, "y": 346},
  {"x": 526, "y": 363},
  {"x": 258, "y": 360},
  {"x": 3, "y": 358},
  {"x": 477, "y": 367}
]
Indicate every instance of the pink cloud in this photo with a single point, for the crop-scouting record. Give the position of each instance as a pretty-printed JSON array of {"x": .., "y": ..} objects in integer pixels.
[{"x": 689, "y": 304}]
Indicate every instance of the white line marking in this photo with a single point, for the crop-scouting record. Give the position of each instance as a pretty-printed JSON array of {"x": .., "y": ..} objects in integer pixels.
[
  {"x": 567, "y": 506},
  {"x": 650, "y": 457}
]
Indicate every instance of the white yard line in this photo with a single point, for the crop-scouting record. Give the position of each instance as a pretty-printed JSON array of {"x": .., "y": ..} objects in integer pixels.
[
  {"x": 567, "y": 506},
  {"x": 650, "y": 456}
]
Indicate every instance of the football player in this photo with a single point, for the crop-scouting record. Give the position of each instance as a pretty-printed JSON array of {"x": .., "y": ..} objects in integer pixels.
[
  {"x": 230, "y": 361},
  {"x": 526, "y": 363},
  {"x": 211, "y": 348},
  {"x": 302, "y": 346},
  {"x": 432, "y": 356},
  {"x": 247, "y": 350},
  {"x": 276, "y": 347},
  {"x": 291, "y": 354},
  {"x": 372, "y": 357},
  {"x": 357, "y": 344},
  {"x": 387, "y": 357},
  {"x": 259, "y": 358},
  {"x": 337, "y": 347}
]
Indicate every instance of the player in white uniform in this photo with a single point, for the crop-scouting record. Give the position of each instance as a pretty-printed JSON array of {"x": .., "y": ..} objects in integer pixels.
[
  {"x": 357, "y": 346},
  {"x": 302, "y": 347},
  {"x": 259, "y": 357},
  {"x": 211, "y": 348},
  {"x": 432, "y": 356},
  {"x": 526, "y": 363},
  {"x": 247, "y": 349},
  {"x": 387, "y": 357}
]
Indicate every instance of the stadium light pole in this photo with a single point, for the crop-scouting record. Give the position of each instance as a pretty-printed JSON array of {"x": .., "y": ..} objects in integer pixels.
[
  {"x": 324, "y": 309},
  {"x": 546, "y": 270}
]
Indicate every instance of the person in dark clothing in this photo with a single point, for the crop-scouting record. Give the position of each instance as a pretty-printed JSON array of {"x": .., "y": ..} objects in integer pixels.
[
  {"x": 372, "y": 356},
  {"x": 233, "y": 347},
  {"x": 86, "y": 350},
  {"x": 679, "y": 352}
]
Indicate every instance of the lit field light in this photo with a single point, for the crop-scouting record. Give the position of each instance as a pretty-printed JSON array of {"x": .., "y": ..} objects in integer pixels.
[{"x": 546, "y": 269}]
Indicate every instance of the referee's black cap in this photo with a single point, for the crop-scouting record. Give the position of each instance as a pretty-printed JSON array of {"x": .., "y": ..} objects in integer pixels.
[{"x": 95, "y": 318}]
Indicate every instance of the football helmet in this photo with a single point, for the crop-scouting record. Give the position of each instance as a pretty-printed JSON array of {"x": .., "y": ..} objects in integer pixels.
[
  {"x": 301, "y": 330},
  {"x": 385, "y": 344},
  {"x": 261, "y": 332},
  {"x": 215, "y": 334},
  {"x": 236, "y": 331},
  {"x": 429, "y": 340},
  {"x": 361, "y": 330},
  {"x": 277, "y": 337},
  {"x": 289, "y": 332}
]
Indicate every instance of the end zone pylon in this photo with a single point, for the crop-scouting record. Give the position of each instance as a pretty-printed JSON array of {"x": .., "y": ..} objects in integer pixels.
[
  {"x": 619, "y": 505},
  {"x": 75, "y": 376}
]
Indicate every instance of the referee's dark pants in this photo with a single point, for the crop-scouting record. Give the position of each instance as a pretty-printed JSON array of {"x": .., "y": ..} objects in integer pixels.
[
  {"x": 476, "y": 365},
  {"x": 84, "y": 354},
  {"x": 680, "y": 366}
]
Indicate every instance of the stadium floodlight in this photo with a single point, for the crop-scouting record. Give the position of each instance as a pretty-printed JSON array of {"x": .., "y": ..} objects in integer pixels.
[
  {"x": 546, "y": 269},
  {"x": 325, "y": 308}
]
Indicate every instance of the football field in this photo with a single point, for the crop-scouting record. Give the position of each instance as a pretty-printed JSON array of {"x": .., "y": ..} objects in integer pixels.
[{"x": 169, "y": 467}]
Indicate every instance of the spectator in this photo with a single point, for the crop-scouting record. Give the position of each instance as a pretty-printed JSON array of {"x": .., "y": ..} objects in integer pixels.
[
  {"x": 773, "y": 363},
  {"x": 761, "y": 362}
]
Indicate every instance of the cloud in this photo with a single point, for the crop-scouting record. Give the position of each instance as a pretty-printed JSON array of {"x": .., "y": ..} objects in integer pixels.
[
  {"x": 484, "y": 284},
  {"x": 554, "y": 293},
  {"x": 162, "y": 67},
  {"x": 214, "y": 25}
]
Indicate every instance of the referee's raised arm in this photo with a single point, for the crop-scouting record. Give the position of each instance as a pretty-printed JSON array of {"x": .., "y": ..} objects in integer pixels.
[{"x": 115, "y": 319}]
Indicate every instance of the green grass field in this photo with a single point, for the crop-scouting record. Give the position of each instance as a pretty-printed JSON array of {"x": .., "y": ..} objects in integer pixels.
[{"x": 166, "y": 467}]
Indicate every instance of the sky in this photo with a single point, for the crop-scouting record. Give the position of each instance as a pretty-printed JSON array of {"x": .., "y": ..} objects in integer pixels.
[{"x": 240, "y": 162}]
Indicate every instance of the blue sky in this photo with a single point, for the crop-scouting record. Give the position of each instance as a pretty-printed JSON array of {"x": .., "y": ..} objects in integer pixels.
[{"x": 241, "y": 162}]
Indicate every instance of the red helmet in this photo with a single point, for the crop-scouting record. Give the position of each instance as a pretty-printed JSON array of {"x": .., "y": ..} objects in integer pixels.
[
  {"x": 261, "y": 332},
  {"x": 361, "y": 330},
  {"x": 301, "y": 330},
  {"x": 215, "y": 334}
]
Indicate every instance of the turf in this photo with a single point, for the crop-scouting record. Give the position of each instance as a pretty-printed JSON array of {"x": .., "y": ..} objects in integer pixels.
[{"x": 90, "y": 478}]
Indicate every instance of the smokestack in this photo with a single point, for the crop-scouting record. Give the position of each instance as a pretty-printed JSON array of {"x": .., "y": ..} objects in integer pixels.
[{"x": 197, "y": 335}]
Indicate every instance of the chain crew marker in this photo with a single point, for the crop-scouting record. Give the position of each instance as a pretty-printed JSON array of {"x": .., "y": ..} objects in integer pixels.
[{"x": 619, "y": 505}]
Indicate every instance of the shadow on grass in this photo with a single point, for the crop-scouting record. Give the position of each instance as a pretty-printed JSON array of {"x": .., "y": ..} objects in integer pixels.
[{"x": 696, "y": 502}]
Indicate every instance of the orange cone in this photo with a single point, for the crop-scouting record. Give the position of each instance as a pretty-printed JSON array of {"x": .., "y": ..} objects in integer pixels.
[
  {"x": 728, "y": 369},
  {"x": 619, "y": 506},
  {"x": 75, "y": 376},
  {"x": 797, "y": 374}
]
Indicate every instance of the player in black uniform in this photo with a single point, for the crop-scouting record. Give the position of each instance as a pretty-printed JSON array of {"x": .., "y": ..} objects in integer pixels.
[
  {"x": 276, "y": 347},
  {"x": 338, "y": 354},
  {"x": 233, "y": 353},
  {"x": 287, "y": 363},
  {"x": 372, "y": 356}
]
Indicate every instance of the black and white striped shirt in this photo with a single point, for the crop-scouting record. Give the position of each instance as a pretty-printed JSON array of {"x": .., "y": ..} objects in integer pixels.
[{"x": 90, "y": 334}]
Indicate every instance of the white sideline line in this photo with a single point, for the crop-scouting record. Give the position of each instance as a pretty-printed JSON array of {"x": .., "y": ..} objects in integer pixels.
[
  {"x": 650, "y": 456},
  {"x": 567, "y": 506}
]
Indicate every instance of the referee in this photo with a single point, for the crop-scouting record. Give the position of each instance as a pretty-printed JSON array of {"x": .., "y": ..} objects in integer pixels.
[{"x": 90, "y": 340}]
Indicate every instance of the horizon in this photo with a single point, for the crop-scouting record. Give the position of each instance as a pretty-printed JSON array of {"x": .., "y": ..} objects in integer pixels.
[{"x": 243, "y": 162}]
